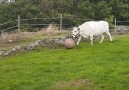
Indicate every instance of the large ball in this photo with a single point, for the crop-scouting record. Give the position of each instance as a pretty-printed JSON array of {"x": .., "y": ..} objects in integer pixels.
[{"x": 69, "y": 43}]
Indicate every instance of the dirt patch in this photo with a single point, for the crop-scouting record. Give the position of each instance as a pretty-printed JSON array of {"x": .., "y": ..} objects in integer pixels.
[
  {"x": 7, "y": 38},
  {"x": 71, "y": 84}
]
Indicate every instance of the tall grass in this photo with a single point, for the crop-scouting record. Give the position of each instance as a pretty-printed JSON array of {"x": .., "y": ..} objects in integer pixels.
[{"x": 100, "y": 67}]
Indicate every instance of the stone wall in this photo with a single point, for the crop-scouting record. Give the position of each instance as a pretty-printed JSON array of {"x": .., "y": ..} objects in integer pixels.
[{"x": 50, "y": 43}]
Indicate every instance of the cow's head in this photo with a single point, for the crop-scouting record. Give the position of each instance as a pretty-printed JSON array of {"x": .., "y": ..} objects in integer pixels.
[{"x": 75, "y": 32}]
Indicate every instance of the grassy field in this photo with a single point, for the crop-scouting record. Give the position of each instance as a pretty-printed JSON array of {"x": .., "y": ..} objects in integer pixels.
[{"x": 100, "y": 67}]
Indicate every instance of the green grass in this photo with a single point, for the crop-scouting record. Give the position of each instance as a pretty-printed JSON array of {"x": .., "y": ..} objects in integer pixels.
[{"x": 100, "y": 67}]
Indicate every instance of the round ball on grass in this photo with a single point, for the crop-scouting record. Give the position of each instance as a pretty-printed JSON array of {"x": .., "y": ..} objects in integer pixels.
[{"x": 69, "y": 43}]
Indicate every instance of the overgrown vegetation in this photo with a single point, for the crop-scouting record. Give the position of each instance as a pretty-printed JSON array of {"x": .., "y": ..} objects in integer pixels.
[
  {"x": 99, "y": 67},
  {"x": 71, "y": 9},
  {"x": 11, "y": 40}
]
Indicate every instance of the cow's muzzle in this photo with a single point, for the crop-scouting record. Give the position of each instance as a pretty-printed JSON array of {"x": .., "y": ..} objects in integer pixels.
[{"x": 74, "y": 36}]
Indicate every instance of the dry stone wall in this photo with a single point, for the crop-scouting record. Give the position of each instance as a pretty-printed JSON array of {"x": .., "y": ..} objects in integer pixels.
[{"x": 45, "y": 42}]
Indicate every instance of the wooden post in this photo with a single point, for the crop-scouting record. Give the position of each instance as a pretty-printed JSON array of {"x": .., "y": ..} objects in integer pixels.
[
  {"x": 61, "y": 22},
  {"x": 115, "y": 25},
  {"x": 2, "y": 34},
  {"x": 18, "y": 23}
]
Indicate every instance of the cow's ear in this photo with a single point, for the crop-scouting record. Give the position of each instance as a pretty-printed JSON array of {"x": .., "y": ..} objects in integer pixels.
[{"x": 78, "y": 29}]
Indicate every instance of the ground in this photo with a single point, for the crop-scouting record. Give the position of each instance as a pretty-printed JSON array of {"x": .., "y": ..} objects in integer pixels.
[{"x": 99, "y": 67}]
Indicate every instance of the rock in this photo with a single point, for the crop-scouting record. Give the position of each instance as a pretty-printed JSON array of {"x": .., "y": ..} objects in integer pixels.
[
  {"x": 37, "y": 43},
  {"x": 1, "y": 52},
  {"x": 31, "y": 46},
  {"x": 13, "y": 49},
  {"x": 18, "y": 47},
  {"x": 5, "y": 53},
  {"x": 10, "y": 40},
  {"x": 9, "y": 52}
]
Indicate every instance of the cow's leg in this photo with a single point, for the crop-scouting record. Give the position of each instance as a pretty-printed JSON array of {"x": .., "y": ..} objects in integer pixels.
[
  {"x": 80, "y": 37},
  {"x": 109, "y": 36},
  {"x": 91, "y": 39},
  {"x": 102, "y": 38}
]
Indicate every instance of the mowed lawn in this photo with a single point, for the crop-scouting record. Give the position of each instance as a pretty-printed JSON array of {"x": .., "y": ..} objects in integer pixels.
[{"x": 100, "y": 67}]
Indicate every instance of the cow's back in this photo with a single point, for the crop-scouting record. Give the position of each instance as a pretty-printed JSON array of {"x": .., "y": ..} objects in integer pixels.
[{"x": 95, "y": 27}]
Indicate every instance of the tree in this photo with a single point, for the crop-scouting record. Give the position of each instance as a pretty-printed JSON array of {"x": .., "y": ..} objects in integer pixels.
[
  {"x": 89, "y": 9},
  {"x": 120, "y": 9},
  {"x": 102, "y": 10},
  {"x": 86, "y": 10}
]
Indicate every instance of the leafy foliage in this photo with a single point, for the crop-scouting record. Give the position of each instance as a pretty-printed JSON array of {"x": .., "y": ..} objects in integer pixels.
[{"x": 88, "y": 9}]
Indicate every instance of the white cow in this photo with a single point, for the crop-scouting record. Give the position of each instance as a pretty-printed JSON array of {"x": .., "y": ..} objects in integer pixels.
[{"x": 91, "y": 28}]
